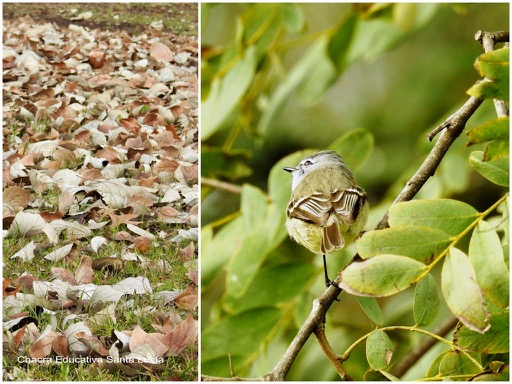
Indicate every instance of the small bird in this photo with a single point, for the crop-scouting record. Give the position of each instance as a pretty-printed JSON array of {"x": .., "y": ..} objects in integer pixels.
[{"x": 327, "y": 208}]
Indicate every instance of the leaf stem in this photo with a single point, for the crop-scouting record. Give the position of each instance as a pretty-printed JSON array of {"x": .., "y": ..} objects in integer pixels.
[{"x": 349, "y": 350}]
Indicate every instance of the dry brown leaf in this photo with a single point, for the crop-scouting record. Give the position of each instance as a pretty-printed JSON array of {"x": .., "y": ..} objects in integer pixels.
[
  {"x": 108, "y": 263},
  {"x": 142, "y": 244},
  {"x": 84, "y": 273},
  {"x": 97, "y": 58},
  {"x": 63, "y": 274},
  {"x": 184, "y": 335},
  {"x": 43, "y": 346},
  {"x": 187, "y": 253},
  {"x": 66, "y": 199},
  {"x": 18, "y": 336},
  {"x": 60, "y": 346},
  {"x": 193, "y": 275},
  {"x": 130, "y": 124},
  {"x": 51, "y": 216},
  {"x": 187, "y": 299},
  {"x": 166, "y": 165},
  {"x": 167, "y": 212},
  {"x": 9, "y": 288},
  {"x": 190, "y": 172},
  {"x": 16, "y": 197},
  {"x": 161, "y": 52},
  {"x": 94, "y": 344},
  {"x": 154, "y": 340},
  {"x": 26, "y": 283}
]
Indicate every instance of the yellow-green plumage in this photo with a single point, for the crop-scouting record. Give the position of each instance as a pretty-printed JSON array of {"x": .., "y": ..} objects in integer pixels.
[{"x": 325, "y": 197}]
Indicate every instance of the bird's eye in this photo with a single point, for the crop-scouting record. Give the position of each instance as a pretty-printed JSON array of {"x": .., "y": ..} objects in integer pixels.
[{"x": 307, "y": 162}]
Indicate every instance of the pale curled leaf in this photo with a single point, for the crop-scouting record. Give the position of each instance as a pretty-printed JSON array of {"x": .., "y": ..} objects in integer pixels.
[
  {"x": 27, "y": 225},
  {"x": 59, "y": 253},
  {"x": 73, "y": 333},
  {"x": 486, "y": 256},
  {"x": 461, "y": 292},
  {"x": 26, "y": 253}
]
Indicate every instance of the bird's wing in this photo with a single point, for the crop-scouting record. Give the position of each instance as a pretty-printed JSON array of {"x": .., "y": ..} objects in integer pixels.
[
  {"x": 347, "y": 203},
  {"x": 314, "y": 209}
]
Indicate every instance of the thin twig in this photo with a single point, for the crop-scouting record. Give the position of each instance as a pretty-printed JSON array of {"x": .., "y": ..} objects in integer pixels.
[
  {"x": 451, "y": 128},
  {"x": 228, "y": 187},
  {"x": 419, "y": 350},
  {"x": 329, "y": 352}
]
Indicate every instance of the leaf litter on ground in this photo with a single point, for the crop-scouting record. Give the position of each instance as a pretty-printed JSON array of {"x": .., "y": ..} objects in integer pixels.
[{"x": 100, "y": 199}]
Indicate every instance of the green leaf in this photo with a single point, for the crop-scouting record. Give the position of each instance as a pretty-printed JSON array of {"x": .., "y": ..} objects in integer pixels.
[
  {"x": 249, "y": 249},
  {"x": 456, "y": 363},
  {"x": 497, "y": 133},
  {"x": 374, "y": 376},
  {"x": 375, "y": 35},
  {"x": 354, "y": 147},
  {"x": 382, "y": 275},
  {"x": 226, "y": 92},
  {"x": 461, "y": 292},
  {"x": 216, "y": 252},
  {"x": 486, "y": 256},
  {"x": 489, "y": 90},
  {"x": 321, "y": 77},
  {"x": 450, "y": 216},
  {"x": 495, "y": 340},
  {"x": 220, "y": 163},
  {"x": 262, "y": 23},
  {"x": 494, "y": 66},
  {"x": 419, "y": 243},
  {"x": 295, "y": 77},
  {"x": 433, "y": 369},
  {"x": 287, "y": 280},
  {"x": 379, "y": 350},
  {"x": 404, "y": 15},
  {"x": 339, "y": 43},
  {"x": 371, "y": 308},
  {"x": 426, "y": 301},
  {"x": 293, "y": 17},
  {"x": 496, "y": 171},
  {"x": 231, "y": 335}
]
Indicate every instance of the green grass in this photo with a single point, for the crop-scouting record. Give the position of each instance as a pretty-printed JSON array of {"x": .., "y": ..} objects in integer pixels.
[{"x": 135, "y": 18}]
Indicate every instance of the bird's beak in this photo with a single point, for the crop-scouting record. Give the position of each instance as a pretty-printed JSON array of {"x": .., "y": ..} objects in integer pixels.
[{"x": 289, "y": 169}]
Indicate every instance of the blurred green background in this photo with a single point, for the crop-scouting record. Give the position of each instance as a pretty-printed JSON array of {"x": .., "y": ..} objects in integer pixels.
[{"x": 279, "y": 78}]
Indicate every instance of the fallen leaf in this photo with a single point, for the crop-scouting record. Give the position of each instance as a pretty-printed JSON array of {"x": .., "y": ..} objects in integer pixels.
[{"x": 160, "y": 51}]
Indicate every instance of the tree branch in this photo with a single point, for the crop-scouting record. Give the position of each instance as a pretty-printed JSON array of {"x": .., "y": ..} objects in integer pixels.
[
  {"x": 451, "y": 129},
  {"x": 329, "y": 352},
  {"x": 232, "y": 188}
]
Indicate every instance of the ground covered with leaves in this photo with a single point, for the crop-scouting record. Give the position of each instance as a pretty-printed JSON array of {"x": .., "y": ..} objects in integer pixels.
[{"x": 100, "y": 200}]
